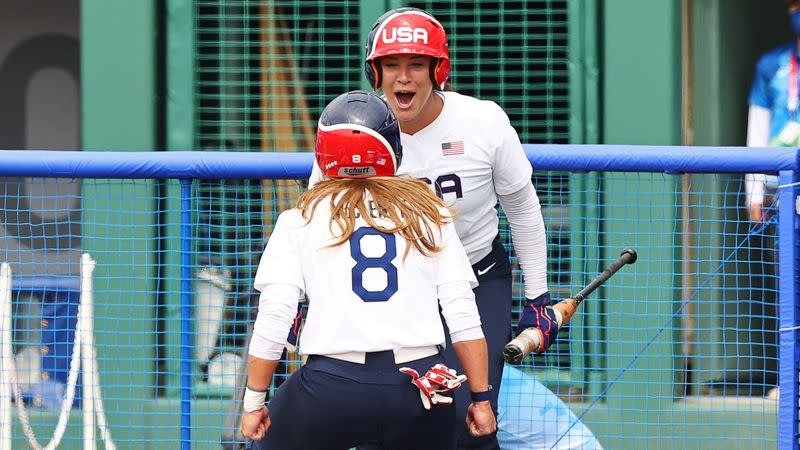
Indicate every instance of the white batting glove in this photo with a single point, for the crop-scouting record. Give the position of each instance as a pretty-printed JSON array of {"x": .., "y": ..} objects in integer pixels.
[{"x": 427, "y": 393}]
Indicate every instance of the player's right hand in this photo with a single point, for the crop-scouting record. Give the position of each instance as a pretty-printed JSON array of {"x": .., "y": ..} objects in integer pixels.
[
  {"x": 539, "y": 315},
  {"x": 255, "y": 424},
  {"x": 755, "y": 211},
  {"x": 480, "y": 419}
]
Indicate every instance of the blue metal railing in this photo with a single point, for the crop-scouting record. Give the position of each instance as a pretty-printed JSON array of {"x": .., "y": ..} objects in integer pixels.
[{"x": 188, "y": 166}]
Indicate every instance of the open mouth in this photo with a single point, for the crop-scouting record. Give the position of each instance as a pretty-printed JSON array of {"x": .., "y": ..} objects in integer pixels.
[{"x": 404, "y": 98}]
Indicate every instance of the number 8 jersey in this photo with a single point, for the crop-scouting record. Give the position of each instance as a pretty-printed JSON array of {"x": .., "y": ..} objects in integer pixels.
[
  {"x": 469, "y": 155},
  {"x": 381, "y": 300}
]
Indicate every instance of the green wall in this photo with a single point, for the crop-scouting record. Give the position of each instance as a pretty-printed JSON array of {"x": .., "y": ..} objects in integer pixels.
[
  {"x": 118, "y": 72},
  {"x": 641, "y": 105},
  {"x": 119, "y": 107},
  {"x": 728, "y": 38},
  {"x": 641, "y": 72}
]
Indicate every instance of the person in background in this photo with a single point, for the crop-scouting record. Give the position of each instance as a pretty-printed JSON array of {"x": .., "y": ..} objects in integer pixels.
[
  {"x": 772, "y": 117},
  {"x": 772, "y": 121},
  {"x": 377, "y": 257}
]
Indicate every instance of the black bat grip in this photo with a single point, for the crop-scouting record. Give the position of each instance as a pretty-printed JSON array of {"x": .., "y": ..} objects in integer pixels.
[{"x": 628, "y": 256}]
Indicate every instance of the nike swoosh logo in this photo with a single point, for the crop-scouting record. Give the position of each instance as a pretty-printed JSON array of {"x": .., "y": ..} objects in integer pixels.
[{"x": 481, "y": 272}]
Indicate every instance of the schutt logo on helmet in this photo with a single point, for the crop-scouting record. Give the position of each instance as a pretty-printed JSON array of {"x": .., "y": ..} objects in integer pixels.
[{"x": 356, "y": 172}]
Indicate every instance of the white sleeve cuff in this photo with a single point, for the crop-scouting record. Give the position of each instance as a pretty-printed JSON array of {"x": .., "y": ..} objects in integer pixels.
[
  {"x": 758, "y": 123},
  {"x": 467, "y": 335},
  {"x": 530, "y": 239},
  {"x": 754, "y": 188}
]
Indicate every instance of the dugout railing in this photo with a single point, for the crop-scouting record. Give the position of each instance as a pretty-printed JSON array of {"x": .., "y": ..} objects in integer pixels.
[{"x": 625, "y": 346}]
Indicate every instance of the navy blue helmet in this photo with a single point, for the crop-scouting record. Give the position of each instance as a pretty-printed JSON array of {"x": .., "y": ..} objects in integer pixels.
[{"x": 358, "y": 137}]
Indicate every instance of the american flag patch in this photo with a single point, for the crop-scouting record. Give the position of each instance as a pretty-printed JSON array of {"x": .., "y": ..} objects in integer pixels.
[{"x": 453, "y": 148}]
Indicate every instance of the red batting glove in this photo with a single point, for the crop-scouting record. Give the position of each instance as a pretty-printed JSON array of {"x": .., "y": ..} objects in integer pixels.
[
  {"x": 444, "y": 379},
  {"x": 427, "y": 393}
]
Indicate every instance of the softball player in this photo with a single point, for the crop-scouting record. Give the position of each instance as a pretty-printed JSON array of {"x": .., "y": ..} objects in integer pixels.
[
  {"x": 466, "y": 150},
  {"x": 376, "y": 257}
]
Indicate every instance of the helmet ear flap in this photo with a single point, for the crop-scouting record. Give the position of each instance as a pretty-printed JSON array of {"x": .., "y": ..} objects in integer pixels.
[
  {"x": 372, "y": 70},
  {"x": 440, "y": 72},
  {"x": 434, "y": 71}
]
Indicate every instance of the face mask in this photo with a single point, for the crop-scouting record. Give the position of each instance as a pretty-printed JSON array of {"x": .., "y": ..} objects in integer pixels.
[{"x": 794, "y": 18}]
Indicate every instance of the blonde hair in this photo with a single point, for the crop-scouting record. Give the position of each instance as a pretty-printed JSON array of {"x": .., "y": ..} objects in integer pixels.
[{"x": 407, "y": 203}]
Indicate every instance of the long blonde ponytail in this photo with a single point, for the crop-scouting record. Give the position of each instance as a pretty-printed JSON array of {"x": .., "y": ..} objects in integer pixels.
[{"x": 416, "y": 212}]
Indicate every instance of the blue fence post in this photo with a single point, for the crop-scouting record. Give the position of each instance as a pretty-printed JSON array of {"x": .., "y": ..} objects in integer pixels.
[
  {"x": 186, "y": 315},
  {"x": 788, "y": 233}
]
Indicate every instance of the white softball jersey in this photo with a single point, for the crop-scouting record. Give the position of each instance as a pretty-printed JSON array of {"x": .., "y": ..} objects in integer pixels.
[
  {"x": 363, "y": 295},
  {"x": 469, "y": 155}
]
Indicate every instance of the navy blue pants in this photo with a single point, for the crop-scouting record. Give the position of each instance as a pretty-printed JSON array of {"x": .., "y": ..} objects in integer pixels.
[
  {"x": 337, "y": 405},
  {"x": 493, "y": 297}
]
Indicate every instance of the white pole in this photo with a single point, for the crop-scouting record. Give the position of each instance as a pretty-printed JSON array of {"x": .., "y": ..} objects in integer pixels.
[
  {"x": 6, "y": 351},
  {"x": 8, "y": 379},
  {"x": 87, "y": 353}
]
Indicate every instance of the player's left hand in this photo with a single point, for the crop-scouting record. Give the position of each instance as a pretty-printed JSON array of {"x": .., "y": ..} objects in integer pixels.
[
  {"x": 537, "y": 314},
  {"x": 255, "y": 424}
]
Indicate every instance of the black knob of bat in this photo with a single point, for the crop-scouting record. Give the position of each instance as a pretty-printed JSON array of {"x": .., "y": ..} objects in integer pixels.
[
  {"x": 632, "y": 254},
  {"x": 512, "y": 354}
]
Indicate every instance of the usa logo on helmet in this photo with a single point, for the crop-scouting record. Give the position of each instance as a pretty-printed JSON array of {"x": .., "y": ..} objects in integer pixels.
[{"x": 404, "y": 35}]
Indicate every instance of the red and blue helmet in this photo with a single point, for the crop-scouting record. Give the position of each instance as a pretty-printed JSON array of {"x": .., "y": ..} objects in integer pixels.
[
  {"x": 358, "y": 137},
  {"x": 409, "y": 31}
]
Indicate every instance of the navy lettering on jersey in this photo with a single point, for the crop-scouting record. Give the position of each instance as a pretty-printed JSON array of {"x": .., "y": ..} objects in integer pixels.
[
  {"x": 364, "y": 262},
  {"x": 446, "y": 184}
]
